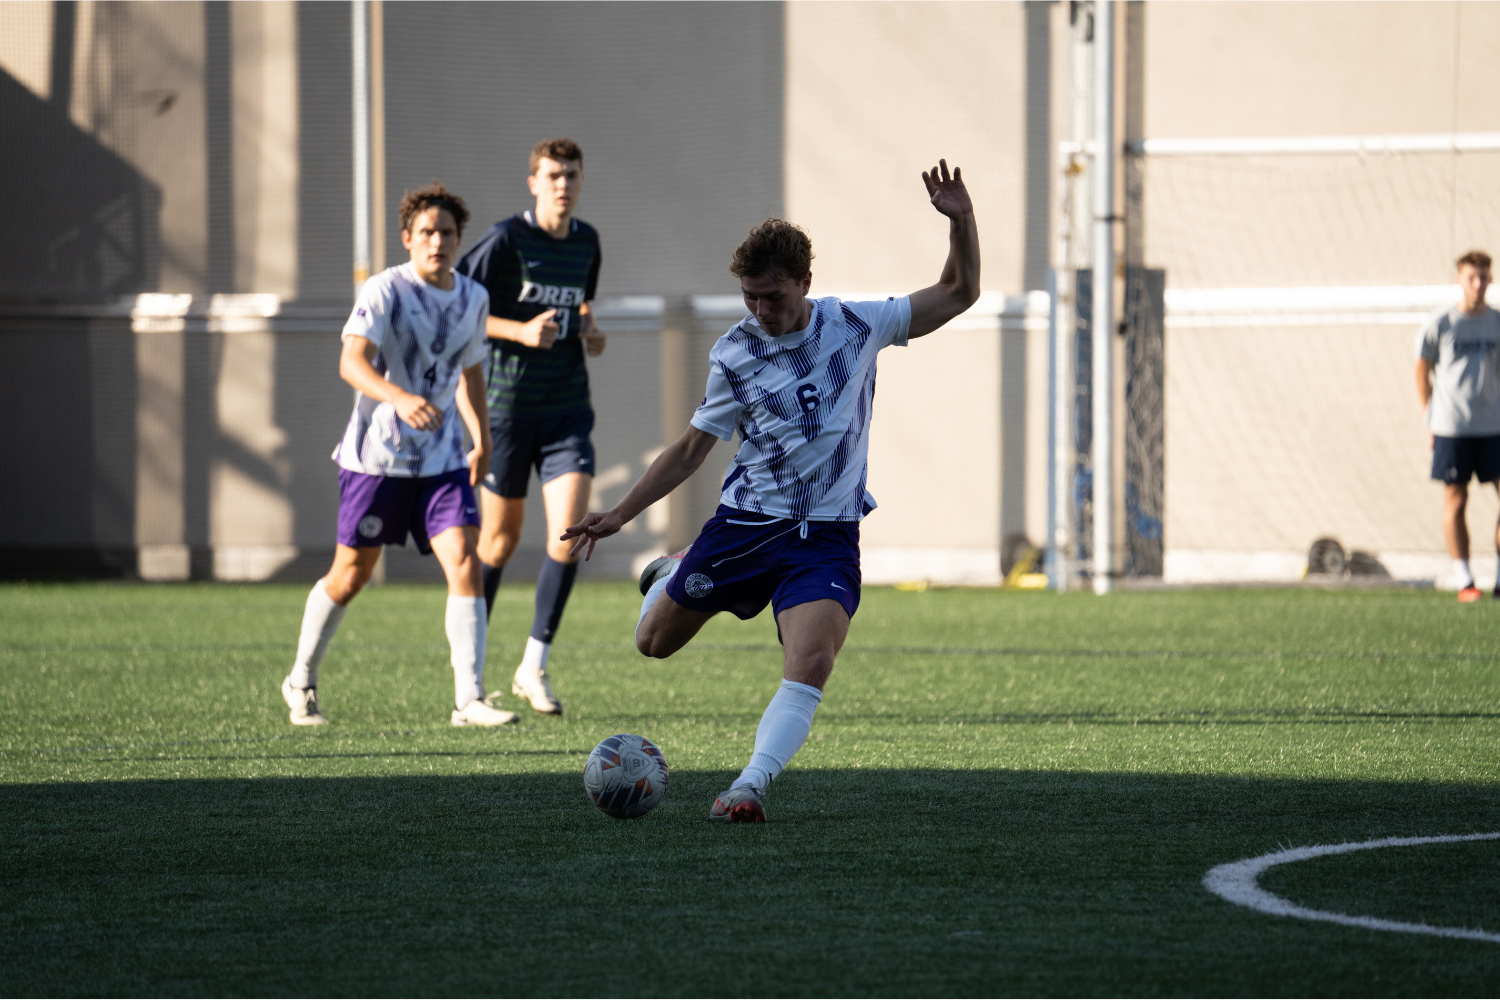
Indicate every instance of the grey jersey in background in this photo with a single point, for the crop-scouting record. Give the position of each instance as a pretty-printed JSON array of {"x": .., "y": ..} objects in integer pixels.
[{"x": 1465, "y": 354}]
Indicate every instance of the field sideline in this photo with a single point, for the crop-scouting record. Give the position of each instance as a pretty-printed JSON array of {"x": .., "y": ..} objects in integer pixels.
[{"x": 1003, "y": 794}]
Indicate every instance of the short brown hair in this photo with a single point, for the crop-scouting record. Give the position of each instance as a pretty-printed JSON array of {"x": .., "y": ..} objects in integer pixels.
[
  {"x": 774, "y": 247},
  {"x": 433, "y": 195},
  {"x": 555, "y": 149},
  {"x": 1477, "y": 259}
]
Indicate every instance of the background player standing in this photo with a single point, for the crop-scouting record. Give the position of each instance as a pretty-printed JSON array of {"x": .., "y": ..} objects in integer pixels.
[
  {"x": 796, "y": 380},
  {"x": 541, "y": 268},
  {"x": 1458, "y": 381},
  {"x": 416, "y": 337}
]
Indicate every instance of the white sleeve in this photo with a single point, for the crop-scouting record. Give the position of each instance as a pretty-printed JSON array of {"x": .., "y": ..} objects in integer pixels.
[
  {"x": 719, "y": 413},
  {"x": 479, "y": 345},
  {"x": 371, "y": 316},
  {"x": 890, "y": 320}
]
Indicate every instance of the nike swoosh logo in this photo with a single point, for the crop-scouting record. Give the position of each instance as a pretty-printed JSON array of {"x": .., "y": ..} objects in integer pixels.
[
  {"x": 758, "y": 371},
  {"x": 533, "y": 263},
  {"x": 835, "y": 585}
]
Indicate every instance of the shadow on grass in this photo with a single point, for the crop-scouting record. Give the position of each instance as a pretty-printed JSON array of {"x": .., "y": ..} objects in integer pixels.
[{"x": 866, "y": 882}]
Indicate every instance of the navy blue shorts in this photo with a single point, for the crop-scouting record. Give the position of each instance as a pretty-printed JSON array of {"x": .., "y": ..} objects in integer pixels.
[
  {"x": 740, "y": 562},
  {"x": 552, "y": 445},
  {"x": 1457, "y": 460}
]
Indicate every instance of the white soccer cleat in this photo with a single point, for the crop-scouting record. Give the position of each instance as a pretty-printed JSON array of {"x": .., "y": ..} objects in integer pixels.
[
  {"x": 480, "y": 712},
  {"x": 660, "y": 567},
  {"x": 304, "y": 704},
  {"x": 532, "y": 685},
  {"x": 739, "y": 805}
]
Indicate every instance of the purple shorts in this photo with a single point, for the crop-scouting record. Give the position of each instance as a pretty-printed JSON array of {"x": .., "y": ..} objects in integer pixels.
[{"x": 381, "y": 510}]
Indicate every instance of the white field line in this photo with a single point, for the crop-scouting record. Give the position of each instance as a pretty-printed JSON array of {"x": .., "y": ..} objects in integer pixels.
[{"x": 1237, "y": 882}]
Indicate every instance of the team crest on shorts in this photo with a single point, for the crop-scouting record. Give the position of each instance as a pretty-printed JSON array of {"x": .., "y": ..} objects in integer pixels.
[
  {"x": 698, "y": 585},
  {"x": 370, "y": 525}
]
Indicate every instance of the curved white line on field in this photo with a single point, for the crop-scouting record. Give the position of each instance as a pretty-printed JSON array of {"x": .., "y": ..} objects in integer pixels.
[{"x": 1237, "y": 882}]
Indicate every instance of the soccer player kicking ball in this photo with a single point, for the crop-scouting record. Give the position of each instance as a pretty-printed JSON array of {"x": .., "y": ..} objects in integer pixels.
[
  {"x": 796, "y": 380},
  {"x": 416, "y": 336},
  {"x": 541, "y": 268}
]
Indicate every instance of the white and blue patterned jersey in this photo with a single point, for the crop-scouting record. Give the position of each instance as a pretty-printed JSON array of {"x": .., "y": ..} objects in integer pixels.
[
  {"x": 424, "y": 337},
  {"x": 802, "y": 404}
]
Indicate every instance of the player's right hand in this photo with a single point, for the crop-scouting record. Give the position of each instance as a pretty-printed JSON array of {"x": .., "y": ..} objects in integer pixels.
[
  {"x": 540, "y": 331},
  {"x": 587, "y": 532},
  {"x": 417, "y": 412}
]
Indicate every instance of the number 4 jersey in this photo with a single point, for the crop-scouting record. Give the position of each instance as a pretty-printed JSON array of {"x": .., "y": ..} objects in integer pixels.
[
  {"x": 424, "y": 337},
  {"x": 802, "y": 404}
]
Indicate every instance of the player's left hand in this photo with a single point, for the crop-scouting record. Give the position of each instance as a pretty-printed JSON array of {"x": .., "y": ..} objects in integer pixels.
[
  {"x": 479, "y": 460},
  {"x": 948, "y": 194},
  {"x": 593, "y": 342}
]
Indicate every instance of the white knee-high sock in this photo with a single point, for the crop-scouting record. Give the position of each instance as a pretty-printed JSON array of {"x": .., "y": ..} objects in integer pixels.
[
  {"x": 783, "y": 729},
  {"x": 656, "y": 590},
  {"x": 320, "y": 622},
  {"x": 1463, "y": 576},
  {"x": 467, "y": 631}
]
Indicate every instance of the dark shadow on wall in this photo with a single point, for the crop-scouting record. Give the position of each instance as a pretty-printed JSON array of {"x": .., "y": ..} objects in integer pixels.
[
  {"x": 325, "y": 236},
  {"x": 99, "y": 218}
]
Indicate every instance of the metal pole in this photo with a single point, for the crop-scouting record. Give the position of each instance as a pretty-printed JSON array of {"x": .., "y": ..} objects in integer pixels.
[
  {"x": 1052, "y": 544},
  {"x": 361, "y": 42},
  {"x": 1104, "y": 283}
]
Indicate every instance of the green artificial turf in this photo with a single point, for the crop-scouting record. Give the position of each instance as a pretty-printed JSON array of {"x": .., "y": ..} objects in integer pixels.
[{"x": 1004, "y": 793}]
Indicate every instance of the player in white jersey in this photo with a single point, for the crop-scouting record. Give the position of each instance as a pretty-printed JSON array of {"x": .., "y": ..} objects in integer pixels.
[
  {"x": 415, "y": 338},
  {"x": 796, "y": 380}
]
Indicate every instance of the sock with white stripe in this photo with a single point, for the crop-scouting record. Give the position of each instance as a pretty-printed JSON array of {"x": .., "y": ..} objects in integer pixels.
[
  {"x": 782, "y": 731},
  {"x": 320, "y": 623},
  {"x": 467, "y": 631}
]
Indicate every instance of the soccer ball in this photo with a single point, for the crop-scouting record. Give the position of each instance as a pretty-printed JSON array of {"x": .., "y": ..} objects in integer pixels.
[{"x": 626, "y": 776}]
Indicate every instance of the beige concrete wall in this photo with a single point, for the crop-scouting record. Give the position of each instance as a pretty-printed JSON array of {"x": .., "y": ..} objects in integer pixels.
[
  {"x": 1276, "y": 434},
  {"x": 875, "y": 94}
]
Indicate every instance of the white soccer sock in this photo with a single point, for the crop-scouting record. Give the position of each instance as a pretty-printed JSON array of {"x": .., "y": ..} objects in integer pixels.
[
  {"x": 783, "y": 729},
  {"x": 1462, "y": 574},
  {"x": 657, "y": 589},
  {"x": 320, "y": 622},
  {"x": 534, "y": 660},
  {"x": 467, "y": 631}
]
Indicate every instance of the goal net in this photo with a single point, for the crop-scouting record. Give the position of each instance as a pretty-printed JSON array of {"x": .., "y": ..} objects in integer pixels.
[{"x": 1296, "y": 280}]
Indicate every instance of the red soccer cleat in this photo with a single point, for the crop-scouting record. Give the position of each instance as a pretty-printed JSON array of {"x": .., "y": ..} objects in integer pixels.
[
  {"x": 739, "y": 805},
  {"x": 1469, "y": 594}
]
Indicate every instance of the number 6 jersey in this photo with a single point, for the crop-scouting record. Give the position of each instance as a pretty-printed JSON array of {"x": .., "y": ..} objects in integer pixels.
[
  {"x": 425, "y": 337},
  {"x": 802, "y": 404}
]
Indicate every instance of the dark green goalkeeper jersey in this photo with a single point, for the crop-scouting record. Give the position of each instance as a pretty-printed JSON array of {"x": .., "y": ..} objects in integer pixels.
[{"x": 528, "y": 272}]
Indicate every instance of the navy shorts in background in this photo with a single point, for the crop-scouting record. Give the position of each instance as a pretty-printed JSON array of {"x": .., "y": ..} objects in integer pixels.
[
  {"x": 552, "y": 445},
  {"x": 740, "y": 562},
  {"x": 1459, "y": 459}
]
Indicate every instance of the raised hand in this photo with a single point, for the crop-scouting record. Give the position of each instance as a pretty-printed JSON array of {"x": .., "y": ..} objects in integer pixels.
[{"x": 948, "y": 194}]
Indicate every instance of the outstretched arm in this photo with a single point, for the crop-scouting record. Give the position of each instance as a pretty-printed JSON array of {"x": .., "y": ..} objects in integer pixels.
[
  {"x": 672, "y": 467},
  {"x": 958, "y": 288}
]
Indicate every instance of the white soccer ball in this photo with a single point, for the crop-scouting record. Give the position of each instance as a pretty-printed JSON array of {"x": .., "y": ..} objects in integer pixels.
[{"x": 626, "y": 776}]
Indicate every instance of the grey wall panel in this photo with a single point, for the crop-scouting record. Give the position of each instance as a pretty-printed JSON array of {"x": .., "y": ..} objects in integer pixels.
[
  {"x": 312, "y": 407},
  {"x": 677, "y": 107},
  {"x": 325, "y": 244},
  {"x": 46, "y": 498}
]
